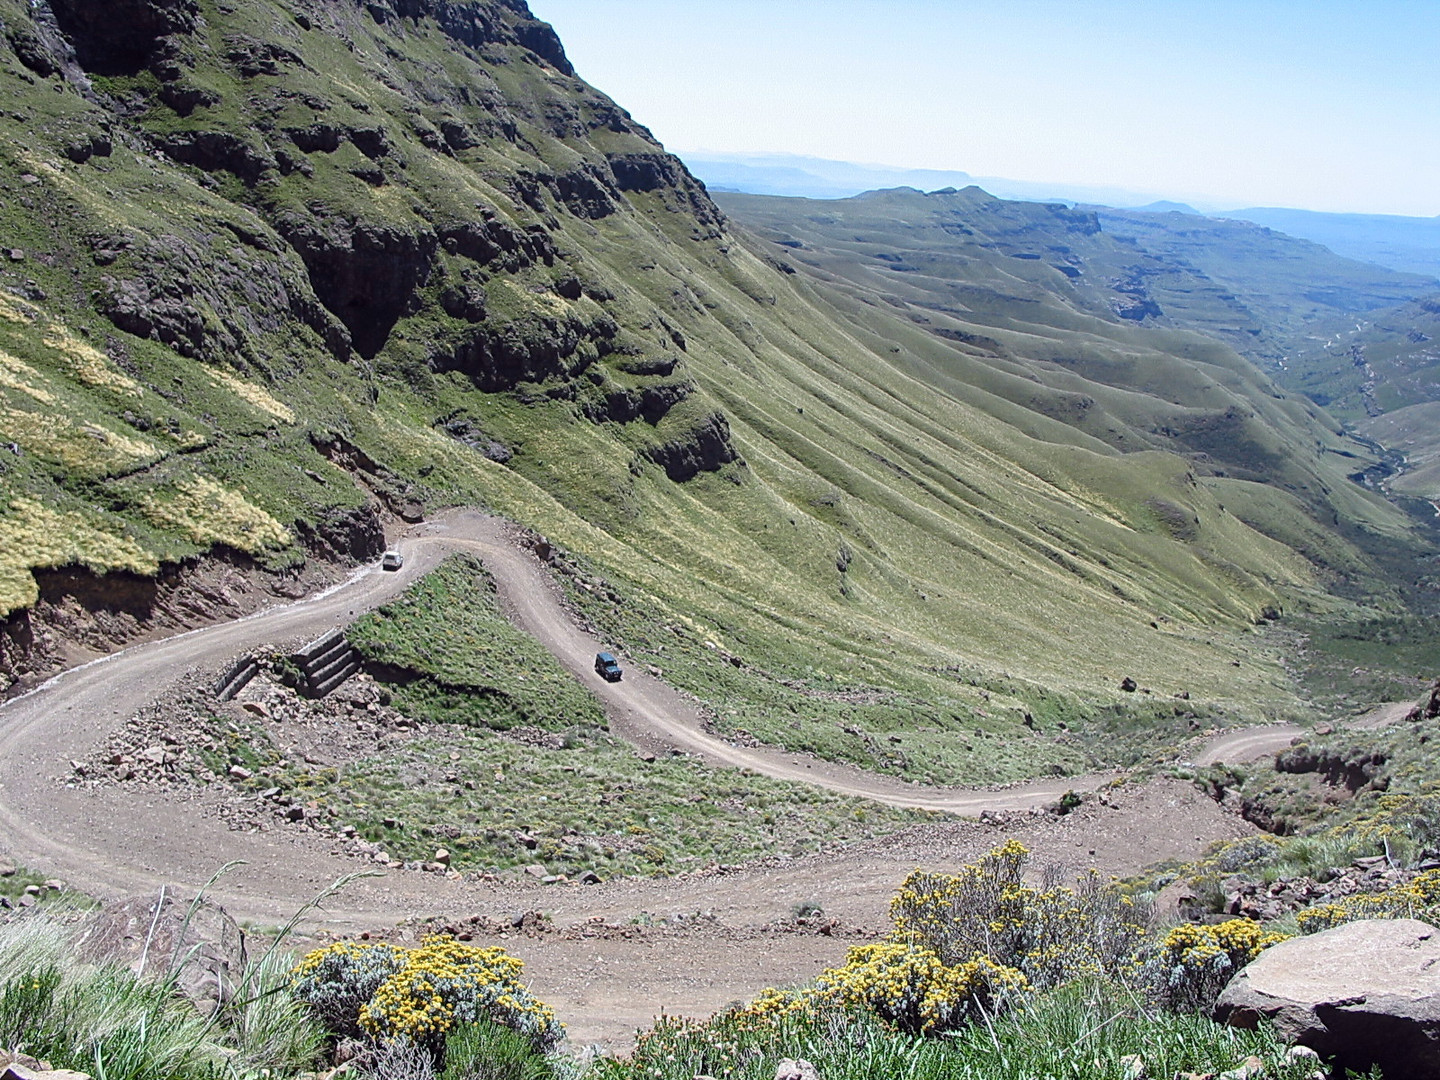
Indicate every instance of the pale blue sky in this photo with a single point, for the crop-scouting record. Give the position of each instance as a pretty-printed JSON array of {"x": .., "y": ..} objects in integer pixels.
[{"x": 1317, "y": 104}]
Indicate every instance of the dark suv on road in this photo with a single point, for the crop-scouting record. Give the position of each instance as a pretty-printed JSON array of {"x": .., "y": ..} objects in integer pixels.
[{"x": 607, "y": 667}]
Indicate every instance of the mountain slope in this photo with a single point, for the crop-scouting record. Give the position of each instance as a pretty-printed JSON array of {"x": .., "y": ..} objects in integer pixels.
[
  {"x": 1285, "y": 284},
  {"x": 283, "y": 270}
]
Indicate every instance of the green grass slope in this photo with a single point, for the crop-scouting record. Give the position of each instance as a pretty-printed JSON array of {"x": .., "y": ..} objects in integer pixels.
[
  {"x": 273, "y": 264},
  {"x": 1367, "y": 366}
]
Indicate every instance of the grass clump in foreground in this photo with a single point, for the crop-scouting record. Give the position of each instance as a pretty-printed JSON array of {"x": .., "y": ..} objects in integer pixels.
[
  {"x": 106, "y": 1021},
  {"x": 398, "y": 1012}
]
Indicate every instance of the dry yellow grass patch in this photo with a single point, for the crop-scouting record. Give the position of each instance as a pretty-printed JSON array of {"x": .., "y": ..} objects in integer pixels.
[
  {"x": 254, "y": 395},
  {"x": 32, "y": 536},
  {"x": 18, "y": 375},
  {"x": 11, "y": 312},
  {"x": 89, "y": 365},
  {"x": 81, "y": 448},
  {"x": 207, "y": 513}
]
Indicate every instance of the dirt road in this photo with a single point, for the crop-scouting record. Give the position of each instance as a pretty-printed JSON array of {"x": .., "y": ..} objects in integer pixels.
[{"x": 115, "y": 841}]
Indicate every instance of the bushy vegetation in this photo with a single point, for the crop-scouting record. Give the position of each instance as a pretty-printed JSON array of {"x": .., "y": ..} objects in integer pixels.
[
  {"x": 424, "y": 995},
  {"x": 1084, "y": 990},
  {"x": 105, "y": 1021},
  {"x": 1418, "y": 898},
  {"x": 1052, "y": 935},
  {"x": 982, "y": 976},
  {"x": 1089, "y": 1030},
  {"x": 1192, "y": 963}
]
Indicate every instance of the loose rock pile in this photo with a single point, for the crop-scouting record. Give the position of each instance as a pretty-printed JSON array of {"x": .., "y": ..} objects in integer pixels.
[
  {"x": 227, "y": 754},
  {"x": 182, "y": 740},
  {"x": 1266, "y": 902}
]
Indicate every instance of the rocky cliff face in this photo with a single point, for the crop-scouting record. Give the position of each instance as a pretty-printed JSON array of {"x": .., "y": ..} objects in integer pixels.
[
  {"x": 249, "y": 109},
  {"x": 340, "y": 195}
]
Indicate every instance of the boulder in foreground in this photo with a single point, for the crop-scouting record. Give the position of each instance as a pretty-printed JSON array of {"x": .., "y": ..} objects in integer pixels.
[
  {"x": 1366, "y": 993},
  {"x": 197, "y": 943}
]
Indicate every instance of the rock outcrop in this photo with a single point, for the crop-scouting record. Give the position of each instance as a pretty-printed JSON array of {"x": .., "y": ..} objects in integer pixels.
[
  {"x": 198, "y": 943},
  {"x": 705, "y": 447},
  {"x": 1366, "y": 993}
]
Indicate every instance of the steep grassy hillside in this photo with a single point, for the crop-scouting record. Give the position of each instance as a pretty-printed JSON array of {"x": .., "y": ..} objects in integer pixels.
[
  {"x": 1078, "y": 334},
  {"x": 279, "y": 271}
]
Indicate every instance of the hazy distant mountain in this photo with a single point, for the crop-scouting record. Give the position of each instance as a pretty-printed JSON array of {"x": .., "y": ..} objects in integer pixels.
[
  {"x": 1401, "y": 243},
  {"x": 1167, "y": 206},
  {"x": 1287, "y": 283},
  {"x": 817, "y": 178}
]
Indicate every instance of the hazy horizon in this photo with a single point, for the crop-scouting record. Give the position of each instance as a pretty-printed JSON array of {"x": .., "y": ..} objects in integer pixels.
[
  {"x": 1304, "y": 104},
  {"x": 1007, "y": 187}
]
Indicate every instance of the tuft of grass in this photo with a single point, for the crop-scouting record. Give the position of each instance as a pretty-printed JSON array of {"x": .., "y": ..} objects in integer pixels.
[
  {"x": 102, "y": 1021},
  {"x": 209, "y": 514},
  {"x": 33, "y": 536}
]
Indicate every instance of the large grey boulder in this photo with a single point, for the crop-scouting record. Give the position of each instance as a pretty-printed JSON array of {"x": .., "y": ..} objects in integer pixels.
[
  {"x": 1366, "y": 993},
  {"x": 199, "y": 945}
]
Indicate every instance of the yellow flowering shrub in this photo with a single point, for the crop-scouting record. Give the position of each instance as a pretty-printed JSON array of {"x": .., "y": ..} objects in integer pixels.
[
  {"x": 421, "y": 994},
  {"x": 1418, "y": 898},
  {"x": 771, "y": 1005},
  {"x": 980, "y": 910},
  {"x": 336, "y": 982},
  {"x": 910, "y": 987},
  {"x": 1194, "y": 962},
  {"x": 1051, "y": 934},
  {"x": 446, "y": 982}
]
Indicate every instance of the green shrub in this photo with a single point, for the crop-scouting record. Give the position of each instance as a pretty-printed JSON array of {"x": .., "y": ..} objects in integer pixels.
[
  {"x": 107, "y": 1023},
  {"x": 484, "y": 1050},
  {"x": 29, "y": 1012}
]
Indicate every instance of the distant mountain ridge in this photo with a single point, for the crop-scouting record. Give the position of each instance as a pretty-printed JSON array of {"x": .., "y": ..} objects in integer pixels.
[
  {"x": 818, "y": 178},
  {"x": 1408, "y": 244},
  {"x": 1401, "y": 243}
]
